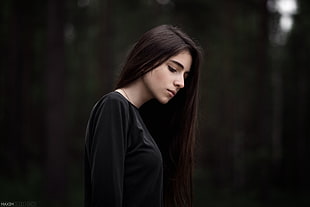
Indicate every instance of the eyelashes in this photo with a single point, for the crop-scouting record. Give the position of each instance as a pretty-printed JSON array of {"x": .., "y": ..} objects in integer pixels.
[{"x": 173, "y": 70}]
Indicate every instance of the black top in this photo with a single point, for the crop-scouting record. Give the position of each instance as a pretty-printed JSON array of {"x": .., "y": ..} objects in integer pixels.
[{"x": 123, "y": 165}]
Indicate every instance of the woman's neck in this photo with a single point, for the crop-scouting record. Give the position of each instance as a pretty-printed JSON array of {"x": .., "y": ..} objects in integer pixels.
[{"x": 136, "y": 93}]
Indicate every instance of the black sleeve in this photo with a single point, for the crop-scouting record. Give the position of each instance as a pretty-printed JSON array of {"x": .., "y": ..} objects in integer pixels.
[{"x": 105, "y": 149}]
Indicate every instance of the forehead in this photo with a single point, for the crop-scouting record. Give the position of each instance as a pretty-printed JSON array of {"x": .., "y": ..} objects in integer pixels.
[{"x": 184, "y": 58}]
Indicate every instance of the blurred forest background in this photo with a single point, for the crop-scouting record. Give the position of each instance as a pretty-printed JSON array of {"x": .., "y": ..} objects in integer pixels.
[{"x": 58, "y": 57}]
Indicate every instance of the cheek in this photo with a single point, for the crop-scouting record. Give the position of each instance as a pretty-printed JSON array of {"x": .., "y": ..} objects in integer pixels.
[
  {"x": 160, "y": 75},
  {"x": 157, "y": 78}
]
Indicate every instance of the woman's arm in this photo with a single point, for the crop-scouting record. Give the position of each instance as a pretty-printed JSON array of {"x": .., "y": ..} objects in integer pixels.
[{"x": 105, "y": 150}]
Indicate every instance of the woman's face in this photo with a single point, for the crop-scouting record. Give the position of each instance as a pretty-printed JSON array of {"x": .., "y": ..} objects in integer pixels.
[{"x": 164, "y": 82}]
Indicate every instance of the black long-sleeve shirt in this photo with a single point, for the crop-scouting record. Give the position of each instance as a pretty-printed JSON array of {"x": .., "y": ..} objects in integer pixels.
[{"x": 123, "y": 165}]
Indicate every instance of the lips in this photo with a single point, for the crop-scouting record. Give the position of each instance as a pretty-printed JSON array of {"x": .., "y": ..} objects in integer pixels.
[{"x": 172, "y": 92}]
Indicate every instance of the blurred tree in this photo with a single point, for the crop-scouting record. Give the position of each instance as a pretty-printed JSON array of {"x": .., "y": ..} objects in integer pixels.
[
  {"x": 21, "y": 100},
  {"x": 296, "y": 131},
  {"x": 13, "y": 101},
  {"x": 105, "y": 46},
  {"x": 55, "y": 112}
]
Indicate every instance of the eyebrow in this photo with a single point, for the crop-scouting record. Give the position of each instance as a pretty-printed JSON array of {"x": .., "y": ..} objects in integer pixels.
[{"x": 177, "y": 63}]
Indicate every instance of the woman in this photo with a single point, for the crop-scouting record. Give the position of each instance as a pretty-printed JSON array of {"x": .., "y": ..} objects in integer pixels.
[{"x": 140, "y": 137}]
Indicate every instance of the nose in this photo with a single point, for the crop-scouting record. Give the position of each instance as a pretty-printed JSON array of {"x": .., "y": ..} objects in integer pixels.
[{"x": 179, "y": 82}]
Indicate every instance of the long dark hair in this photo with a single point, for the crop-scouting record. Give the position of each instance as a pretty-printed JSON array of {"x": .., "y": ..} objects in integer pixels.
[{"x": 172, "y": 125}]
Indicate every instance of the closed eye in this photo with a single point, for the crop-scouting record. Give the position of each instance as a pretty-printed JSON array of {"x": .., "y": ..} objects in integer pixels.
[{"x": 173, "y": 70}]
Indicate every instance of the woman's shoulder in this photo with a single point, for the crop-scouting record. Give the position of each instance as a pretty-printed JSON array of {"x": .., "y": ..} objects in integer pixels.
[
  {"x": 113, "y": 98},
  {"x": 112, "y": 104}
]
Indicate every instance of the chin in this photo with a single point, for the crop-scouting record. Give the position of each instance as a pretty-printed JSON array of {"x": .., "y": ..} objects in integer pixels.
[{"x": 163, "y": 100}]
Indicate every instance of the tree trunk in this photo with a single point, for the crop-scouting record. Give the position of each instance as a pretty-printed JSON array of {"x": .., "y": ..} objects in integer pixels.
[
  {"x": 277, "y": 117},
  {"x": 13, "y": 101},
  {"x": 263, "y": 104},
  {"x": 55, "y": 114},
  {"x": 105, "y": 48}
]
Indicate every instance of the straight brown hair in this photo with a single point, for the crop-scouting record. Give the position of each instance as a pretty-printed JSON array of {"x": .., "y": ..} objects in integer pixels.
[{"x": 173, "y": 125}]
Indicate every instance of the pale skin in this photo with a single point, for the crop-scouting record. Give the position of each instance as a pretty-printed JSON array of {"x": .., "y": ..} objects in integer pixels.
[{"x": 162, "y": 83}]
